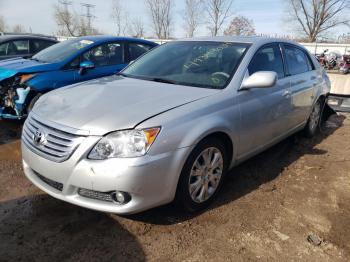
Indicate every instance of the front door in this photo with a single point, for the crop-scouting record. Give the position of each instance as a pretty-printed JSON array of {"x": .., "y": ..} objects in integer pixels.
[
  {"x": 265, "y": 112},
  {"x": 108, "y": 59}
]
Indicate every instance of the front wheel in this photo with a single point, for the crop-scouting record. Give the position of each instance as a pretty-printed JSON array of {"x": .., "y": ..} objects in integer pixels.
[
  {"x": 202, "y": 175},
  {"x": 314, "y": 120},
  {"x": 32, "y": 102}
]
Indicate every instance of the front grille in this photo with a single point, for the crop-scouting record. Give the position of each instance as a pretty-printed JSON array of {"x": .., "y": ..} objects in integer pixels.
[
  {"x": 49, "y": 142},
  {"x": 54, "y": 184},
  {"x": 95, "y": 195}
]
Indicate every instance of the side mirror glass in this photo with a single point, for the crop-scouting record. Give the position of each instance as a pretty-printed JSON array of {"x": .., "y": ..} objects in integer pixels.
[
  {"x": 262, "y": 79},
  {"x": 84, "y": 66}
]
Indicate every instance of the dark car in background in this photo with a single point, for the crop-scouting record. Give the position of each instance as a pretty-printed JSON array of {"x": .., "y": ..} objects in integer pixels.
[
  {"x": 12, "y": 46},
  {"x": 24, "y": 80}
]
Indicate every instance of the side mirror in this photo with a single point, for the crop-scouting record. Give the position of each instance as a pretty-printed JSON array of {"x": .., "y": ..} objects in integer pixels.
[
  {"x": 262, "y": 79},
  {"x": 84, "y": 66}
]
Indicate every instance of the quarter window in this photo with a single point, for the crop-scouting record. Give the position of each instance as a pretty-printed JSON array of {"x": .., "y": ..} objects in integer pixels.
[
  {"x": 38, "y": 45},
  {"x": 267, "y": 59},
  {"x": 136, "y": 50},
  {"x": 296, "y": 60}
]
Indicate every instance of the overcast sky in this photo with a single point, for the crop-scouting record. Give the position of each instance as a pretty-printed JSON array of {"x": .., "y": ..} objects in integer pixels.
[{"x": 37, "y": 15}]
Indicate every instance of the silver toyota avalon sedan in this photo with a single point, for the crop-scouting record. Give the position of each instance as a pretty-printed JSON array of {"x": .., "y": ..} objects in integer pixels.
[{"x": 171, "y": 124}]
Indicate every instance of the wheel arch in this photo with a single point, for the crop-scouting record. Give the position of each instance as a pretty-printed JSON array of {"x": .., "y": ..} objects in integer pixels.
[{"x": 225, "y": 139}]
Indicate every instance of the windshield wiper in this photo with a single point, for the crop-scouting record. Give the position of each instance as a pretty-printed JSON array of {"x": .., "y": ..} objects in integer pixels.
[
  {"x": 155, "y": 79},
  {"x": 162, "y": 80},
  {"x": 35, "y": 59}
]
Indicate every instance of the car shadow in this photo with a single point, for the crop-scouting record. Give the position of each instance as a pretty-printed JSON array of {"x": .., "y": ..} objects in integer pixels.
[
  {"x": 251, "y": 174},
  {"x": 40, "y": 228},
  {"x": 10, "y": 130}
]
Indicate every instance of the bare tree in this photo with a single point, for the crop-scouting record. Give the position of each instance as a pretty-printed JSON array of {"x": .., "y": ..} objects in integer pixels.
[
  {"x": 18, "y": 29},
  {"x": 66, "y": 20},
  {"x": 218, "y": 12},
  {"x": 2, "y": 24},
  {"x": 193, "y": 16},
  {"x": 315, "y": 17},
  {"x": 137, "y": 28},
  {"x": 120, "y": 17},
  {"x": 240, "y": 26},
  {"x": 83, "y": 27},
  {"x": 161, "y": 15}
]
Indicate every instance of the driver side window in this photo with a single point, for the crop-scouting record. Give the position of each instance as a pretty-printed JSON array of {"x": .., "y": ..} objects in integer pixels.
[
  {"x": 267, "y": 59},
  {"x": 104, "y": 55}
]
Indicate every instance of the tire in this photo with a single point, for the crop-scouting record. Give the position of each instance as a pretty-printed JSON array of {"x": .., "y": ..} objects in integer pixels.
[
  {"x": 32, "y": 102},
  {"x": 313, "y": 122},
  {"x": 204, "y": 182}
]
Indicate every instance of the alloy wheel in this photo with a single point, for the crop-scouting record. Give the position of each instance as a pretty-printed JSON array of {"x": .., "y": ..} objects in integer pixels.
[{"x": 206, "y": 173}]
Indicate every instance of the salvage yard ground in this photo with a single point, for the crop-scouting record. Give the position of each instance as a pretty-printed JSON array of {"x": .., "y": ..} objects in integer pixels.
[{"x": 268, "y": 208}]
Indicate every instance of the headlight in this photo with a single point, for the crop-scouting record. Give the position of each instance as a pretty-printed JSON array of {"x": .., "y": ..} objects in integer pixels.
[
  {"x": 25, "y": 78},
  {"x": 333, "y": 101},
  {"x": 127, "y": 143}
]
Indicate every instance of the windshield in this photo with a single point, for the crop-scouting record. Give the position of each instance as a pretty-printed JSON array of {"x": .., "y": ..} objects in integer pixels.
[
  {"x": 61, "y": 51},
  {"x": 192, "y": 63}
]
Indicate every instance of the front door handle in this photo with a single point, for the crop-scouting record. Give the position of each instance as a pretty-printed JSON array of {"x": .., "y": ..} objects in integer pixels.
[{"x": 286, "y": 94}]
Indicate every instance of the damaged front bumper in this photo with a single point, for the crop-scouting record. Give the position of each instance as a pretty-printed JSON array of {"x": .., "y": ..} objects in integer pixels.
[
  {"x": 339, "y": 103},
  {"x": 12, "y": 104}
]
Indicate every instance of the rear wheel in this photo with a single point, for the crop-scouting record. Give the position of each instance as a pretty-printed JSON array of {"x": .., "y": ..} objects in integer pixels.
[
  {"x": 314, "y": 120},
  {"x": 202, "y": 175}
]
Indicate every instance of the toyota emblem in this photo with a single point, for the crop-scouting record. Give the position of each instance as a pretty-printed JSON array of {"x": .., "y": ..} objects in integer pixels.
[{"x": 39, "y": 138}]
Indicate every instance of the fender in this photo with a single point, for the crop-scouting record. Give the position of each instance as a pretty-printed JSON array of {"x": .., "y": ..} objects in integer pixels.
[{"x": 186, "y": 126}]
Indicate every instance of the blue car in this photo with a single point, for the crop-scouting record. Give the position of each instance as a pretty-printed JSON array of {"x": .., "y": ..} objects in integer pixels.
[{"x": 24, "y": 80}]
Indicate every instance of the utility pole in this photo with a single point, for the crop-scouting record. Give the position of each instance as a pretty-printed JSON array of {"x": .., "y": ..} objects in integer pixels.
[
  {"x": 89, "y": 15},
  {"x": 65, "y": 3}
]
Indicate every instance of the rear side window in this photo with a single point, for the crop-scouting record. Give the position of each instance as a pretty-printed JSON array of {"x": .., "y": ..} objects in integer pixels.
[
  {"x": 38, "y": 45},
  {"x": 268, "y": 58},
  {"x": 310, "y": 63},
  {"x": 297, "y": 61},
  {"x": 136, "y": 50}
]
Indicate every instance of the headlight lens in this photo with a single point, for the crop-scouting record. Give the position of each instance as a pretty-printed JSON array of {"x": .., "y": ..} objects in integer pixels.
[
  {"x": 127, "y": 143},
  {"x": 333, "y": 102},
  {"x": 25, "y": 78}
]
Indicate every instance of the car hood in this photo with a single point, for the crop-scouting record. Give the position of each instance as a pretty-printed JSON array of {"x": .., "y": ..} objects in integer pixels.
[
  {"x": 112, "y": 103},
  {"x": 11, "y": 67}
]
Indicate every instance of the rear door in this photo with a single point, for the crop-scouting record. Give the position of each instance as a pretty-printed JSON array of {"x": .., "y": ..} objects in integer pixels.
[
  {"x": 304, "y": 80},
  {"x": 265, "y": 112}
]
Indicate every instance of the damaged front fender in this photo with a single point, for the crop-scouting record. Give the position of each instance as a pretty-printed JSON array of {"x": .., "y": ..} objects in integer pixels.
[{"x": 6, "y": 73}]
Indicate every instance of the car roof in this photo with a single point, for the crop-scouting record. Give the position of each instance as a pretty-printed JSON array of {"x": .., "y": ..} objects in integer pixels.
[
  {"x": 4, "y": 38},
  {"x": 102, "y": 38},
  {"x": 256, "y": 40}
]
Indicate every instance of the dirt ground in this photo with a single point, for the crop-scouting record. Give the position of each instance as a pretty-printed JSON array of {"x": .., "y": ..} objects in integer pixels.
[{"x": 266, "y": 211}]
